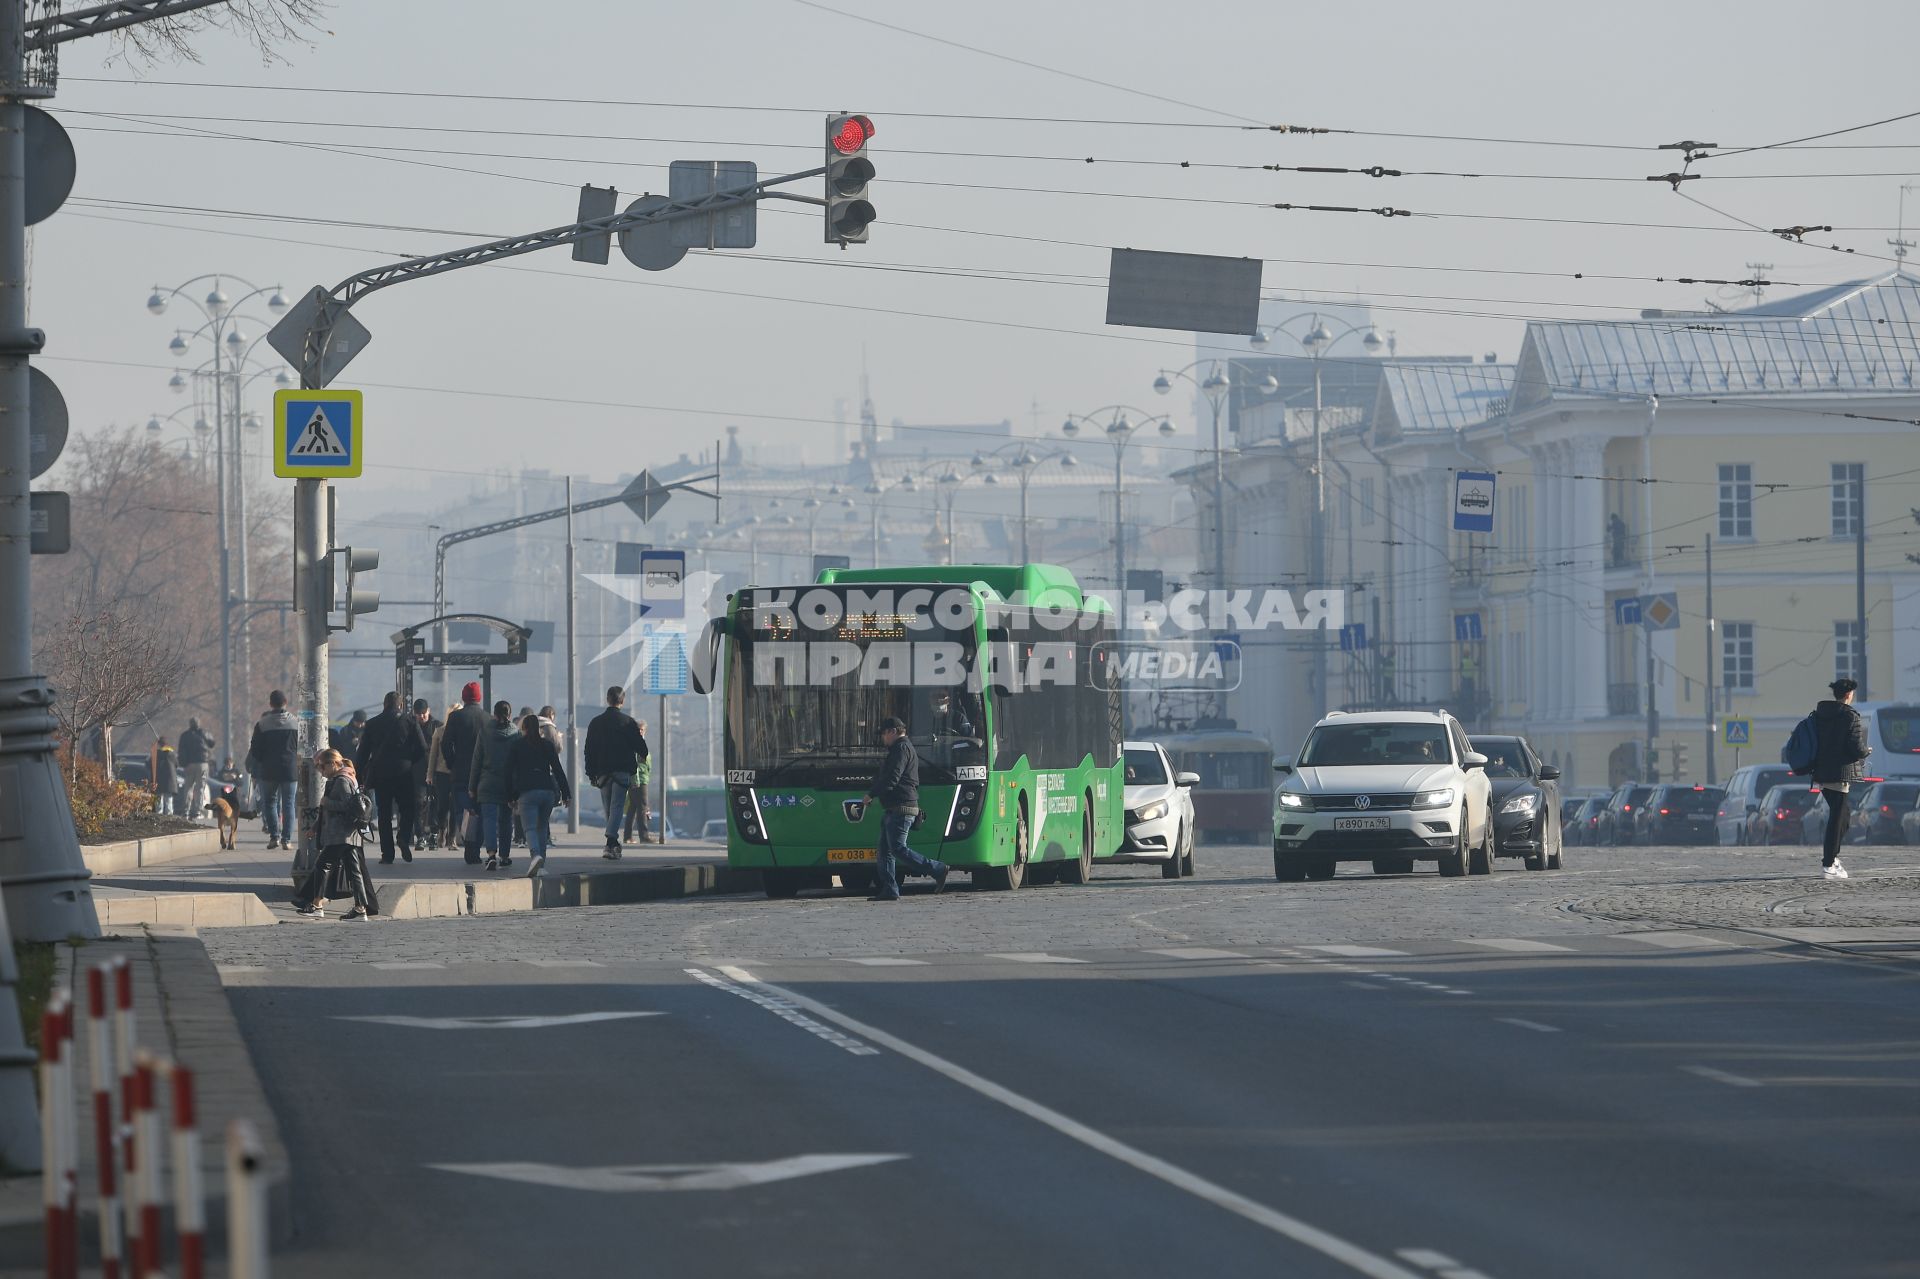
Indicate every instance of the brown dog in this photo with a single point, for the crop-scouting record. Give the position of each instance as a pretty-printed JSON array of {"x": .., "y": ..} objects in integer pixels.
[{"x": 228, "y": 820}]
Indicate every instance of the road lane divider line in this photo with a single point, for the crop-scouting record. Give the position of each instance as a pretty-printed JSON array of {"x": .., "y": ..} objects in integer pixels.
[
  {"x": 1722, "y": 1076},
  {"x": 1034, "y": 957},
  {"x": 1347, "y": 1253},
  {"x": 1440, "y": 1263},
  {"x": 783, "y": 1006},
  {"x": 1524, "y": 1024},
  {"x": 1519, "y": 945},
  {"x": 1198, "y": 952},
  {"x": 882, "y": 961},
  {"x": 564, "y": 963},
  {"x": 394, "y": 965},
  {"x": 1678, "y": 941},
  {"x": 1362, "y": 952}
]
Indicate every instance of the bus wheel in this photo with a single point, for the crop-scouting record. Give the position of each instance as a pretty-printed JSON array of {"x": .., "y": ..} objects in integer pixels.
[
  {"x": 780, "y": 883},
  {"x": 1001, "y": 879},
  {"x": 1080, "y": 870}
]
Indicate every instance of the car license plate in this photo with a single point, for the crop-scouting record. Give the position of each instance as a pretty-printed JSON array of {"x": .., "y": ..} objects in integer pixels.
[
  {"x": 1362, "y": 823},
  {"x": 849, "y": 854}
]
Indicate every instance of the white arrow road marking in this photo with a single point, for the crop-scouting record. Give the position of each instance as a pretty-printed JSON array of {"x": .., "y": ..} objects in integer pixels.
[
  {"x": 495, "y": 1023},
  {"x": 633, "y": 1178},
  {"x": 1351, "y": 1255}
]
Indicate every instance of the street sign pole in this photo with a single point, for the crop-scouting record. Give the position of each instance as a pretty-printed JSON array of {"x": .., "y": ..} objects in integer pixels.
[{"x": 573, "y": 672}]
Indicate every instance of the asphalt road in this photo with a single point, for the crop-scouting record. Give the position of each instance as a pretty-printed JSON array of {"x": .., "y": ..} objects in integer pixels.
[{"x": 1538, "y": 1075}]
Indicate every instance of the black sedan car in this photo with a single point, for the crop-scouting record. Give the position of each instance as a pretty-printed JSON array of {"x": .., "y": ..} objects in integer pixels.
[
  {"x": 1525, "y": 802},
  {"x": 1616, "y": 819},
  {"x": 1583, "y": 823},
  {"x": 1676, "y": 814}
]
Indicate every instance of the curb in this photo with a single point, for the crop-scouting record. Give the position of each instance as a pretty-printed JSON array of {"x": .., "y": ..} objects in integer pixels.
[
  {"x": 183, "y": 1012},
  {"x": 131, "y": 854}
]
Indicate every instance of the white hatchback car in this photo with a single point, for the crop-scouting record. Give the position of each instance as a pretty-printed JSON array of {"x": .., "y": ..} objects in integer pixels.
[
  {"x": 1390, "y": 787},
  {"x": 1159, "y": 805}
]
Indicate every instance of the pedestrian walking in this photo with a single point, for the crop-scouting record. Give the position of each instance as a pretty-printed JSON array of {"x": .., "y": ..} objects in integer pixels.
[
  {"x": 346, "y": 738},
  {"x": 389, "y": 750},
  {"x": 896, "y": 788},
  {"x": 550, "y": 729},
  {"x": 341, "y": 868},
  {"x": 538, "y": 783},
  {"x": 614, "y": 752},
  {"x": 491, "y": 783},
  {"x": 441, "y": 778},
  {"x": 1840, "y": 759},
  {"x": 195, "y": 750},
  {"x": 464, "y": 728},
  {"x": 422, "y": 775},
  {"x": 639, "y": 813},
  {"x": 166, "y": 777},
  {"x": 273, "y": 757}
]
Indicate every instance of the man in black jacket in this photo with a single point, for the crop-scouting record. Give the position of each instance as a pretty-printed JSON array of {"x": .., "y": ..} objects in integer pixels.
[
  {"x": 1839, "y": 761},
  {"x": 389, "y": 749},
  {"x": 462, "y": 734},
  {"x": 614, "y": 751},
  {"x": 896, "y": 788},
  {"x": 194, "y": 751},
  {"x": 273, "y": 757}
]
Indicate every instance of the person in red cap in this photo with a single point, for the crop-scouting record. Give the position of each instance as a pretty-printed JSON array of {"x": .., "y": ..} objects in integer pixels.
[{"x": 461, "y": 735}]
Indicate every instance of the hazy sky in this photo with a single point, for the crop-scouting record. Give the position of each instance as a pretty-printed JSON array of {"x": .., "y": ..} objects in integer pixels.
[{"x": 545, "y": 362}]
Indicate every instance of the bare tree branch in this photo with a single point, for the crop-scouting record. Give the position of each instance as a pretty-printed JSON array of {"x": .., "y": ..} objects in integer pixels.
[{"x": 268, "y": 25}]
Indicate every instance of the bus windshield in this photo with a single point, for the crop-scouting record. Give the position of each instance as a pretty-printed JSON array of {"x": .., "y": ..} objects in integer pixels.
[
  {"x": 1899, "y": 728},
  {"x": 805, "y": 703}
]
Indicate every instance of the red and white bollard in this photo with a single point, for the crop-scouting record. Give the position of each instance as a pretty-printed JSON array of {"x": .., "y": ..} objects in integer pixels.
[
  {"x": 106, "y": 1146},
  {"x": 54, "y": 1179},
  {"x": 189, "y": 1199},
  {"x": 146, "y": 1178},
  {"x": 124, "y": 1047},
  {"x": 246, "y": 1203}
]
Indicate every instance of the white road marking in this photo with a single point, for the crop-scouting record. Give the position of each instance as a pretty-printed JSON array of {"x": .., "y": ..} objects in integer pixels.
[
  {"x": 1198, "y": 952},
  {"x": 1516, "y": 944},
  {"x": 540, "y": 1022},
  {"x": 224, "y": 969},
  {"x": 1524, "y": 1024},
  {"x": 1721, "y": 1076},
  {"x": 1352, "y": 1255},
  {"x": 564, "y": 963},
  {"x": 1440, "y": 1263},
  {"x": 883, "y": 961},
  {"x": 1677, "y": 941},
  {"x": 639, "y": 1177},
  {"x": 1360, "y": 952},
  {"x": 1035, "y": 957},
  {"x": 392, "y": 965},
  {"x": 785, "y": 1008}
]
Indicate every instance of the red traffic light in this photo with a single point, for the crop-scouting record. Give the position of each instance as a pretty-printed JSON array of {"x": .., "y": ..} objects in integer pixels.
[{"x": 851, "y": 134}]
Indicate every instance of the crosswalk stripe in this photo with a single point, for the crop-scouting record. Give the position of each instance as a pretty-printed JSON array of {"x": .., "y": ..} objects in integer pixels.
[
  {"x": 1513, "y": 943},
  {"x": 395, "y": 964},
  {"x": 1677, "y": 941},
  {"x": 1197, "y": 952},
  {"x": 1036, "y": 957},
  {"x": 1360, "y": 952},
  {"x": 882, "y": 961},
  {"x": 564, "y": 963}
]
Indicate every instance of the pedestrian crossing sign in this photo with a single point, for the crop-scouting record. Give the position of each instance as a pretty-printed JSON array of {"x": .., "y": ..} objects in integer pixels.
[
  {"x": 316, "y": 434},
  {"x": 1736, "y": 732}
]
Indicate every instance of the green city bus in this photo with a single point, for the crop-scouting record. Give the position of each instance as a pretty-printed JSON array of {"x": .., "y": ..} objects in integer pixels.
[{"x": 1005, "y": 679}]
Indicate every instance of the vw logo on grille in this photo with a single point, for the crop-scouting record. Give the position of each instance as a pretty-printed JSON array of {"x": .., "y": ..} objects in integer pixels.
[{"x": 1363, "y": 801}]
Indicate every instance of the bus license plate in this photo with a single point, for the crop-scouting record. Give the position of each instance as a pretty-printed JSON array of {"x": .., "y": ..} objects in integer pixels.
[
  {"x": 1362, "y": 823},
  {"x": 849, "y": 854}
]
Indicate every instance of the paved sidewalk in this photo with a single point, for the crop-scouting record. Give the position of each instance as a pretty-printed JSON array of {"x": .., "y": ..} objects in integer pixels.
[{"x": 249, "y": 885}]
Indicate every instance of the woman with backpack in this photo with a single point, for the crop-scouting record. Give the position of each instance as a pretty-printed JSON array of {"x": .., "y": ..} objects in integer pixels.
[
  {"x": 341, "y": 868},
  {"x": 537, "y": 783},
  {"x": 491, "y": 782}
]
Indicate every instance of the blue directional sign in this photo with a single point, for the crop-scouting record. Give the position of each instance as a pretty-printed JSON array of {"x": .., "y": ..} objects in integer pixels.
[
  {"x": 1626, "y": 611},
  {"x": 1473, "y": 501},
  {"x": 1353, "y": 637},
  {"x": 1736, "y": 732},
  {"x": 1466, "y": 627},
  {"x": 1226, "y": 646},
  {"x": 317, "y": 435},
  {"x": 663, "y": 583}
]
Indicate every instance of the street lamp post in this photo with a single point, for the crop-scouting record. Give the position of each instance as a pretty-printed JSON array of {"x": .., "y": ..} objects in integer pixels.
[
  {"x": 1317, "y": 341},
  {"x": 1215, "y": 385},
  {"x": 222, "y": 329},
  {"x": 1024, "y": 464},
  {"x": 1120, "y": 431}
]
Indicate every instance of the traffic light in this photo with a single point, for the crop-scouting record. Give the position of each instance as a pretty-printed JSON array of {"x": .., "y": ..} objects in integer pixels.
[
  {"x": 1679, "y": 760},
  {"x": 359, "y": 599},
  {"x": 1653, "y": 764},
  {"x": 848, "y": 172}
]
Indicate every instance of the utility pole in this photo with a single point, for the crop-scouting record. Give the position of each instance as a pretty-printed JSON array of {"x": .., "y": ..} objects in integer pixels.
[
  {"x": 1711, "y": 635},
  {"x": 1860, "y": 579},
  {"x": 1646, "y": 576},
  {"x": 573, "y": 670},
  {"x": 1319, "y": 533}
]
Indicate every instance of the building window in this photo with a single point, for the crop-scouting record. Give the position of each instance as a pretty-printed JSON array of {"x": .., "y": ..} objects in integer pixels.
[
  {"x": 1846, "y": 652},
  {"x": 1366, "y": 502},
  {"x": 1736, "y": 656},
  {"x": 1736, "y": 499},
  {"x": 1849, "y": 496}
]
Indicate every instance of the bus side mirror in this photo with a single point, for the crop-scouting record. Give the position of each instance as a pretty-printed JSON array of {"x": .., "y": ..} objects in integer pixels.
[{"x": 703, "y": 662}]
